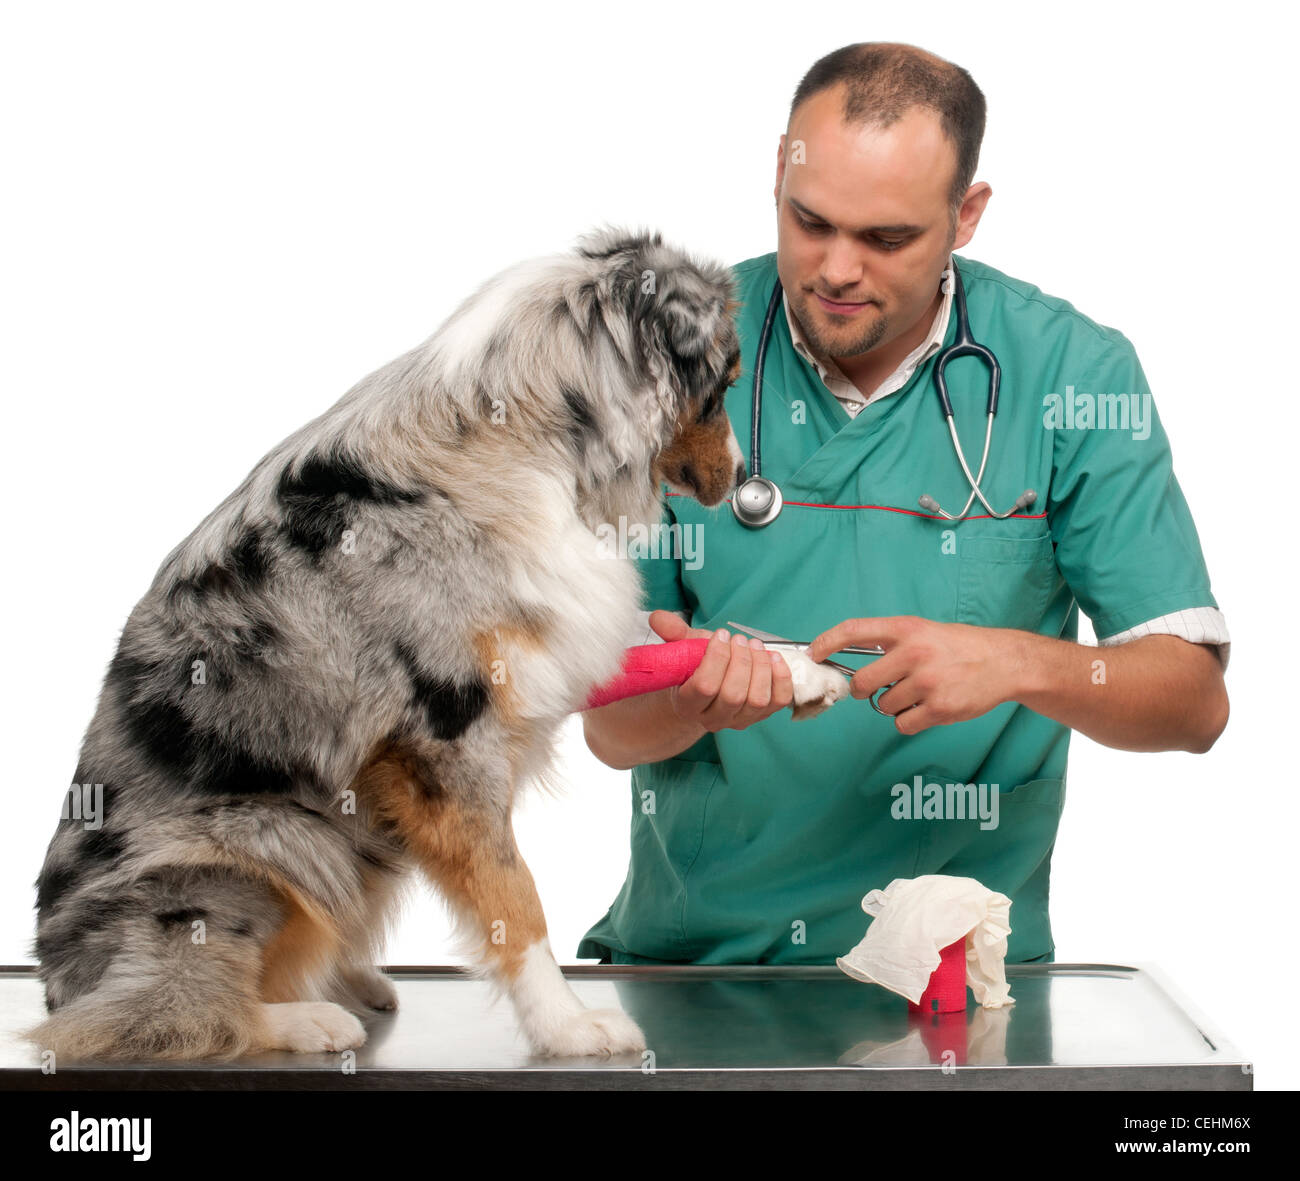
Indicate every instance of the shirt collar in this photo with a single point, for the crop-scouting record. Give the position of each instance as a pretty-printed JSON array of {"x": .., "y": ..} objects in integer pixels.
[{"x": 833, "y": 377}]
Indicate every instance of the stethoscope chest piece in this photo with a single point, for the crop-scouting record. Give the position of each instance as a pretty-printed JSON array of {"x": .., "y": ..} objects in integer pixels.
[{"x": 756, "y": 502}]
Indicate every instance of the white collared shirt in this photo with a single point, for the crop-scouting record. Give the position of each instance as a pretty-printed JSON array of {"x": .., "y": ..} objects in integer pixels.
[
  {"x": 1198, "y": 625},
  {"x": 846, "y": 393}
]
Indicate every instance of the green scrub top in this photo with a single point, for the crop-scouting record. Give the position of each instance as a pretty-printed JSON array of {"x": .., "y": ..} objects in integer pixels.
[{"x": 756, "y": 846}]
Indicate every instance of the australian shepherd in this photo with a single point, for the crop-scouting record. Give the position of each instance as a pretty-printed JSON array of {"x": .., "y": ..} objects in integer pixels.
[{"x": 359, "y": 658}]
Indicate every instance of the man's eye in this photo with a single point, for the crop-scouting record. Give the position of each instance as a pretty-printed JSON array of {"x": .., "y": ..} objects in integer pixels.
[
  {"x": 890, "y": 243},
  {"x": 813, "y": 227}
]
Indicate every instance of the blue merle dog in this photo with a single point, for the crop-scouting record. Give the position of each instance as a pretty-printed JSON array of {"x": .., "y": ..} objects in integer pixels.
[{"x": 359, "y": 658}]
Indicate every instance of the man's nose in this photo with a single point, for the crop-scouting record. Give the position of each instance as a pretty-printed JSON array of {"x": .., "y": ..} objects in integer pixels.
[{"x": 842, "y": 268}]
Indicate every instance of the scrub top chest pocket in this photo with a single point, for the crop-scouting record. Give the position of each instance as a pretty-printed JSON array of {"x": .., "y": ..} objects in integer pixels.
[{"x": 1006, "y": 578}]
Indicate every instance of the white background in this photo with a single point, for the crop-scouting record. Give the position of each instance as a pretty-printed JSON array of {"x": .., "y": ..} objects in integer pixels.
[{"x": 217, "y": 217}]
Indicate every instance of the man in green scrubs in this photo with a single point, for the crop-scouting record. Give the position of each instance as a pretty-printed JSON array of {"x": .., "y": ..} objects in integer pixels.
[{"x": 754, "y": 838}]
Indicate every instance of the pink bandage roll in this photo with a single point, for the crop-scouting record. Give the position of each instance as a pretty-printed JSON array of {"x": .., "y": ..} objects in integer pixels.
[
  {"x": 946, "y": 992},
  {"x": 648, "y": 667}
]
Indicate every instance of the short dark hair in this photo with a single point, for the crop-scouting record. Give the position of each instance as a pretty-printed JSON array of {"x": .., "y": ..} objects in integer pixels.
[{"x": 885, "y": 79}]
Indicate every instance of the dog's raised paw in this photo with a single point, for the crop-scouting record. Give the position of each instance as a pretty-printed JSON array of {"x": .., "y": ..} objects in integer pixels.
[
  {"x": 309, "y": 1027},
  {"x": 816, "y": 687},
  {"x": 593, "y": 1033}
]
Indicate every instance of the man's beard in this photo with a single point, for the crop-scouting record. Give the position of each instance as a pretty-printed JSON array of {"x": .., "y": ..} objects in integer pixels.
[{"x": 867, "y": 340}]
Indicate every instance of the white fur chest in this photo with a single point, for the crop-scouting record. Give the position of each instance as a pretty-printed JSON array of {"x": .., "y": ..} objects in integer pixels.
[{"x": 592, "y": 600}]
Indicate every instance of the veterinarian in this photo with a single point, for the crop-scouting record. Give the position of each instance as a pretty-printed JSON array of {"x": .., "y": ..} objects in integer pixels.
[{"x": 754, "y": 837}]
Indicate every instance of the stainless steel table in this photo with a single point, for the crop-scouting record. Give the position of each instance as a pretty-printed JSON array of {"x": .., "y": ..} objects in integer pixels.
[{"x": 1073, "y": 1027}]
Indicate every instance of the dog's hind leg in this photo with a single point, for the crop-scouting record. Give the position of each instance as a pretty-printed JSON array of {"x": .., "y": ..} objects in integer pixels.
[
  {"x": 358, "y": 983},
  {"x": 462, "y": 838},
  {"x": 164, "y": 966},
  {"x": 181, "y": 968},
  {"x": 300, "y": 969}
]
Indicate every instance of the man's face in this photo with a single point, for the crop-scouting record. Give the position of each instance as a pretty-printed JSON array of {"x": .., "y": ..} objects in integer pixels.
[{"x": 863, "y": 224}]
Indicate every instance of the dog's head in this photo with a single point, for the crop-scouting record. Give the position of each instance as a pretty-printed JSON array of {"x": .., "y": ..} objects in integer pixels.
[{"x": 668, "y": 319}]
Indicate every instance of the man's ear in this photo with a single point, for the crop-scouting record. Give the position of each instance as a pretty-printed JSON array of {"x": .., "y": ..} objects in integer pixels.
[{"x": 972, "y": 209}]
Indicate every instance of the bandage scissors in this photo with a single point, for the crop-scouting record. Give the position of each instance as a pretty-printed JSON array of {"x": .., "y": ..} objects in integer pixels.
[{"x": 779, "y": 642}]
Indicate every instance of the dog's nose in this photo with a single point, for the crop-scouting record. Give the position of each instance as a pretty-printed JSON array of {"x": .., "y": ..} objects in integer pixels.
[{"x": 740, "y": 475}]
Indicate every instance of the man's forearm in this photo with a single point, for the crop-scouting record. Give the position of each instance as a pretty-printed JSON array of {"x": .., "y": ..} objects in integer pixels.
[
  {"x": 636, "y": 730},
  {"x": 1155, "y": 693}
]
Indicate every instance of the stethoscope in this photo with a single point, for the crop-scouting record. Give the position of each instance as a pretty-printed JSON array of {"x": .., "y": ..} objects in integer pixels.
[{"x": 758, "y": 502}]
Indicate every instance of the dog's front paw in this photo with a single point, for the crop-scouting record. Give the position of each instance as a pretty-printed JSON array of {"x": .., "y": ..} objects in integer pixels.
[
  {"x": 816, "y": 687},
  {"x": 591, "y": 1033}
]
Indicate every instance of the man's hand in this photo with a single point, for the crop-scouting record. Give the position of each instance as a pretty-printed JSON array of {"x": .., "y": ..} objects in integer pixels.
[
  {"x": 940, "y": 672},
  {"x": 1158, "y": 692},
  {"x": 739, "y": 681}
]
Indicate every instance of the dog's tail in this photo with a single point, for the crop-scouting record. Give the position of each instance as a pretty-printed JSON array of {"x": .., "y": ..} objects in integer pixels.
[
  {"x": 170, "y": 1025},
  {"x": 161, "y": 997}
]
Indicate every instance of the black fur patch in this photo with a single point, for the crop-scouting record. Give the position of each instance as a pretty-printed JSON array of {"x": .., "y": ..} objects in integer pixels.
[
  {"x": 204, "y": 761},
  {"x": 449, "y": 707},
  {"x": 249, "y": 561},
  {"x": 245, "y": 569},
  {"x": 254, "y": 641},
  {"x": 181, "y": 917},
  {"x": 320, "y": 497},
  {"x": 53, "y": 883},
  {"x": 715, "y": 402},
  {"x": 580, "y": 425},
  {"x": 98, "y": 844}
]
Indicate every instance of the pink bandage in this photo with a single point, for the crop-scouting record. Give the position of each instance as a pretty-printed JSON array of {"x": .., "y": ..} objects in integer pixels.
[{"x": 648, "y": 667}]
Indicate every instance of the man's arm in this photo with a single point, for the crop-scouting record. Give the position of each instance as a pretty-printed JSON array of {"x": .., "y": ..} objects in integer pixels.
[
  {"x": 636, "y": 730},
  {"x": 1155, "y": 693}
]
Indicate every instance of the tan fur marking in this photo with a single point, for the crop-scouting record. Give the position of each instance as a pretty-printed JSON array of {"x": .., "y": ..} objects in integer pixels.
[
  {"x": 704, "y": 447},
  {"x": 501, "y": 643},
  {"x": 301, "y": 949}
]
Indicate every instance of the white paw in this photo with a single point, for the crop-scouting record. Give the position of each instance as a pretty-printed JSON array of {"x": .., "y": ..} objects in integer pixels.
[
  {"x": 591, "y": 1033},
  {"x": 308, "y": 1027},
  {"x": 816, "y": 687}
]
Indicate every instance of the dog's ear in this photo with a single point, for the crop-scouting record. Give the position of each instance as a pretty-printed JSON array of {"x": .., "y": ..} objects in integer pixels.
[
  {"x": 608, "y": 241},
  {"x": 679, "y": 308},
  {"x": 683, "y": 317},
  {"x": 691, "y": 322}
]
